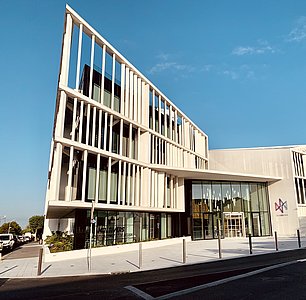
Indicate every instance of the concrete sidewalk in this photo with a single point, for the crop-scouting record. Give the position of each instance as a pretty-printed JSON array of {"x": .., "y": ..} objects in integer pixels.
[{"x": 153, "y": 258}]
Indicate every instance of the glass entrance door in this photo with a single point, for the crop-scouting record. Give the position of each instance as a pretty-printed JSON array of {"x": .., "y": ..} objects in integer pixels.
[
  {"x": 210, "y": 225},
  {"x": 154, "y": 227},
  {"x": 234, "y": 225}
]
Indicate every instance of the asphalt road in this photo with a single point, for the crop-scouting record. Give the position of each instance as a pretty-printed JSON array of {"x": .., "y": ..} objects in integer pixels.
[
  {"x": 288, "y": 282},
  {"x": 282, "y": 283}
]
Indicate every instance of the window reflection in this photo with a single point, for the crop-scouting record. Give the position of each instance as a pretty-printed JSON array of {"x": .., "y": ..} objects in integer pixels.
[{"x": 242, "y": 208}]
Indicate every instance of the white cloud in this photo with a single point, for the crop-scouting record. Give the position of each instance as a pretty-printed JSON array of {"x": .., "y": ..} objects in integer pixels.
[
  {"x": 232, "y": 74},
  {"x": 298, "y": 33},
  {"x": 207, "y": 68},
  {"x": 261, "y": 49},
  {"x": 171, "y": 65},
  {"x": 163, "y": 56},
  {"x": 242, "y": 72}
]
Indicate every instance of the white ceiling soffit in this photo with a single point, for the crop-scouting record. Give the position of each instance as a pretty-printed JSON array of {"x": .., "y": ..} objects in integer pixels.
[{"x": 214, "y": 175}]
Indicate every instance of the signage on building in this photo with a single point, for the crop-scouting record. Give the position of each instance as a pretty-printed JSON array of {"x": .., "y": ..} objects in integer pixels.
[{"x": 281, "y": 207}]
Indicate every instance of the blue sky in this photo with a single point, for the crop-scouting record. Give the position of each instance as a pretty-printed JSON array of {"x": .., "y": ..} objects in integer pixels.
[{"x": 236, "y": 68}]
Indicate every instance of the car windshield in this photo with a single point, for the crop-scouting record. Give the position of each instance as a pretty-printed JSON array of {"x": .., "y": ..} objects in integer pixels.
[{"x": 4, "y": 237}]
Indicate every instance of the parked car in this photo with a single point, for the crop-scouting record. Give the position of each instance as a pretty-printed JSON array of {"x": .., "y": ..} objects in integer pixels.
[
  {"x": 21, "y": 239},
  {"x": 7, "y": 240},
  {"x": 27, "y": 238}
]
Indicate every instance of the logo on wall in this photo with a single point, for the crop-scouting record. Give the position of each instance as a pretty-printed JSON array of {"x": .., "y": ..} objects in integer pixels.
[{"x": 281, "y": 205}]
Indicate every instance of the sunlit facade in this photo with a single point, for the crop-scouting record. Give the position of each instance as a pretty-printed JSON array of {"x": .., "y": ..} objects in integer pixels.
[
  {"x": 113, "y": 132},
  {"x": 126, "y": 159}
]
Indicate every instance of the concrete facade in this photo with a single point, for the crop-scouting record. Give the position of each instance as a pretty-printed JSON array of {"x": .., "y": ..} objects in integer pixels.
[{"x": 287, "y": 196}]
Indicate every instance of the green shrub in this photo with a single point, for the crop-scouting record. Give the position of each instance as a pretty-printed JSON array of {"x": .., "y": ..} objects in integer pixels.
[{"x": 59, "y": 242}]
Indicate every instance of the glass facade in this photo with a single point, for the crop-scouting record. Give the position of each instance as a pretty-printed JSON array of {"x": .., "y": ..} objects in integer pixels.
[
  {"x": 117, "y": 227},
  {"x": 242, "y": 208}
]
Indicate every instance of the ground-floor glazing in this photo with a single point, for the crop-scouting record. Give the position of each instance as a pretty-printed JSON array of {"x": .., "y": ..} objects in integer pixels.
[
  {"x": 240, "y": 208},
  {"x": 118, "y": 227}
]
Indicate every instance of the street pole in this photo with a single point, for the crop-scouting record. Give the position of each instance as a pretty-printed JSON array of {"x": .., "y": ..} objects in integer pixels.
[
  {"x": 219, "y": 239},
  {"x": 184, "y": 251},
  {"x": 250, "y": 243},
  {"x": 299, "y": 238},
  {"x": 276, "y": 241},
  {"x": 40, "y": 256},
  {"x": 140, "y": 256}
]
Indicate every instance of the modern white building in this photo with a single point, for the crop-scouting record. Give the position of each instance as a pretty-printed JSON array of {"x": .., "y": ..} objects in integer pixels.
[
  {"x": 287, "y": 196},
  {"x": 125, "y": 158}
]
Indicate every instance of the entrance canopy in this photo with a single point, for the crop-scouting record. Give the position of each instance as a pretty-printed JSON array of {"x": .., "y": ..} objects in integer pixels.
[{"x": 215, "y": 175}]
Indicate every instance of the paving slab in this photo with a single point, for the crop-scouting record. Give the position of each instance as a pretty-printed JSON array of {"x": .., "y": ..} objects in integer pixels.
[{"x": 152, "y": 258}]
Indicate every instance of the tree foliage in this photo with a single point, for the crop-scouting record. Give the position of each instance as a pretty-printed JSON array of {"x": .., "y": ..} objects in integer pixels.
[
  {"x": 35, "y": 223},
  {"x": 59, "y": 241},
  {"x": 14, "y": 228}
]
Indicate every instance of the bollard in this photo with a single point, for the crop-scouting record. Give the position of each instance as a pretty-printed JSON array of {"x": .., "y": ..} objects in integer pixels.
[
  {"x": 184, "y": 251},
  {"x": 250, "y": 243},
  {"x": 276, "y": 243},
  {"x": 299, "y": 238},
  {"x": 140, "y": 256},
  {"x": 219, "y": 239},
  {"x": 40, "y": 255}
]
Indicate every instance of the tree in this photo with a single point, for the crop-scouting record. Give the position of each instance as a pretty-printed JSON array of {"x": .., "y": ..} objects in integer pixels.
[
  {"x": 36, "y": 223},
  {"x": 11, "y": 227}
]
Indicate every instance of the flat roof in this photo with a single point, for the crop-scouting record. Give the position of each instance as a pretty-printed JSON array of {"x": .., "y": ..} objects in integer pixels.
[{"x": 261, "y": 148}]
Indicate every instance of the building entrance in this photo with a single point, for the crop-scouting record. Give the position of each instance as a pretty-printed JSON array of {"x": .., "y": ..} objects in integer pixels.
[{"x": 234, "y": 225}]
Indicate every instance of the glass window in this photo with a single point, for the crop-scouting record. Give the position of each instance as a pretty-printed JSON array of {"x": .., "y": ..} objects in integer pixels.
[
  {"x": 265, "y": 223},
  {"x": 248, "y": 223},
  {"x": 150, "y": 109},
  {"x": 197, "y": 191},
  {"x": 163, "y": 226},
  {"x": 254, "y": 197},
  {"x": 236, "y": 196},
  {"x": 227, "y": 197},
  {"x": 107, "y": 98},
  {"x": 103, "y": 178},
  {"x": 256, "y": 224},
  {"x": 137, "y": 227},
  {"x": 197, "y": 226},
  {"x": 114, "y": 182},
  {"x": 207, "y": 202},
  {"x": 96, "y": 92},
  {"x": 145, "y": 227},
  {"x": 169, "y": 225},
  {"x": 168, "y": 192},
  {"x": 64, "y": 173},
  {"x": 91, "y": 176},
  {"x": 120, "y": 228},
  {"x": 216, "y": 196},
  {"x": 245, "y": 193},
  {"x": 68, "y": 118},
  {"x": 129, "y": 227},
  {"x": 101, "y": 228},
  {"x": 111, "y": 228},
  {"x": 77, "y": 175}
]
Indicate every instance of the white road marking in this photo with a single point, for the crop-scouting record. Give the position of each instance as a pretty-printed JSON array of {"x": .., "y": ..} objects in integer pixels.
[
  {"x": 222, "y": 281},
  {"x": 211, "y": 284}
]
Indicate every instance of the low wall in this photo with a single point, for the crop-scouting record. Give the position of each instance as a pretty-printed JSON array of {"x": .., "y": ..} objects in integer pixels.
[{"x": 74, "y": 254}]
